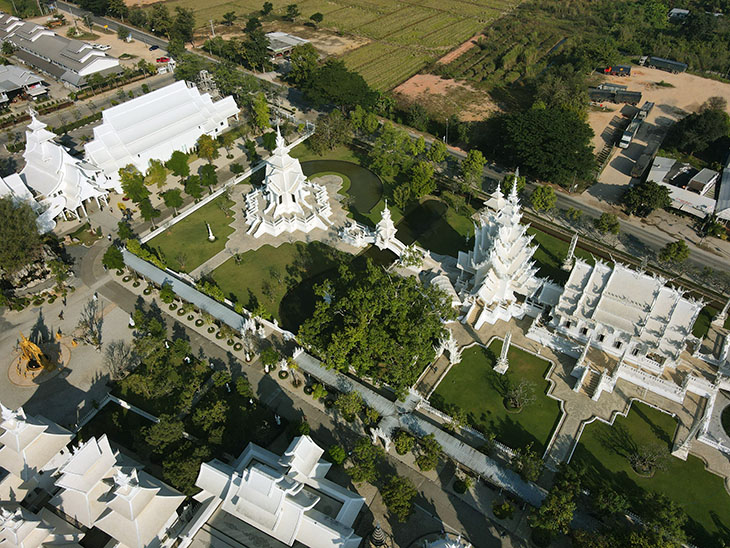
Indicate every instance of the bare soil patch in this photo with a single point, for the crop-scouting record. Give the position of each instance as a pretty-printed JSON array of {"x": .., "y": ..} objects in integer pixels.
[
  {"x": 455, "y": 53},
  {"x": 446, "y": 97}
]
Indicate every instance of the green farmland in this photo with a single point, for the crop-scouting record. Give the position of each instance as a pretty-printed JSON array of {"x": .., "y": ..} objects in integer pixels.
[{"x": 405, "y": 36}]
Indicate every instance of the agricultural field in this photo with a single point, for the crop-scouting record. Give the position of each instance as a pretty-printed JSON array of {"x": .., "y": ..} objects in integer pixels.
[{"x": 403, "y": 36}]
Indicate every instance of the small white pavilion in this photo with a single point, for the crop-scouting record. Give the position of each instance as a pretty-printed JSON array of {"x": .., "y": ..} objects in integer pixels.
[
  {"x": 288, "y": 202},
  {"x": 286, "y": 497},
  {"x": 498, "y": 275},
  {"x": 31, "y": 449}
]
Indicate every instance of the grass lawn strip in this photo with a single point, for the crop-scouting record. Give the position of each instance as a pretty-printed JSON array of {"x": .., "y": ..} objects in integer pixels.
[
  {"x": 473, "y": 386},
  {"x": 603, "y": 449},
  {"x": 188, "y": 239}
]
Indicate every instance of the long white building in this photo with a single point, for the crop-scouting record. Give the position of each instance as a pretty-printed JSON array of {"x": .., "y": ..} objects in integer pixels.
[
  {"x": 286, "y": 497},
  {"x": 69, "y": 61},
  {"x": 155, "y": 125}
]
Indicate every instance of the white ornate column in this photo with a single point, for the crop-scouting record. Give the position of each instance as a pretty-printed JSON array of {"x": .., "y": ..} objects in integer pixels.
[
  {"x": 568, "y": 262},
  {"x": 503, "y": 361},
  {"x": 720, "y": 317}
]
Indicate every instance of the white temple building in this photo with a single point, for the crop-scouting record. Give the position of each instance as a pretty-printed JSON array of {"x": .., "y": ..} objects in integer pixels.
[
  {"x": 626, "y": 313},
  {"x": 21, "y": 528},
  {"x": 31, "y": 449},
  {"x": 60, "y": 183},
  {"x": 498, "y": 276},
  {"x": 288, "y": 202},
  {"x": 155, "y": 125},
  {"x": 132, "y": 507},
  {"x": 287, "y": 497}
]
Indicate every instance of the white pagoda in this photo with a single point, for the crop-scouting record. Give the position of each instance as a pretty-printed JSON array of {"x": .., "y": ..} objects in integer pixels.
[
  {"x": 61, "y": 182},
  {"x": 21, "y": 528},
  {"x": 31, "y": 448},
  {"x": 288, "y": 201},
  {"x": 132, "y": 507},
  {"x": 288, "y": 497},
  {"x": 498, "y": 275}
]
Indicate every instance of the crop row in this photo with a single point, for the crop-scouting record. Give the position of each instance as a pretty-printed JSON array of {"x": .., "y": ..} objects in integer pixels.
[
  {"x": 365, "y": 55},
  {"x": 455, "y": 33},
  {"x": 411, "y": 17},
  {"x": 349, "y": 18},
  {"x": 394, "y": 68}
]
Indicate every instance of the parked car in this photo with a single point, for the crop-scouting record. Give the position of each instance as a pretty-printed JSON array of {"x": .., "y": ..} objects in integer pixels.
[
  {"x": 153, "y": 48},
  {"x": 163, "y": 59}
]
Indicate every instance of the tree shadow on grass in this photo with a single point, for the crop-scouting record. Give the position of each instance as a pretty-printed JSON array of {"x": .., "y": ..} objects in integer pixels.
[
  {"x": 656, "y": 430},
  {"x": 618, "y": 440}
]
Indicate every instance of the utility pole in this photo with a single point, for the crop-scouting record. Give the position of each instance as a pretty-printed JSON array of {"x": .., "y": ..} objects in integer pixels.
[{"x": 212, "y": 30}]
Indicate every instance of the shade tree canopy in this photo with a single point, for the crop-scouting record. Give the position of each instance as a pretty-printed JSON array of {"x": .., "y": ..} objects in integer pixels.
[
  {"x": 20, "y": 242},
  {"x": 366, "y": 323},
  {"x": 333, "y": 83},
  {"x": 644, "y": 198}
]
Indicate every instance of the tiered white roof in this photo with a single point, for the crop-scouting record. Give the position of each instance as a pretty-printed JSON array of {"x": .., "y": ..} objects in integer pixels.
[
  {"x": 29, "y": 444},
  {"x": 60, "y": 181},
  {"x": 20, "y": 528},
  {"x": 132, "y": 507},
  {"x": 288, "y": 202},
  {"x": 630, "y": 305},
  {"x": 288, "y": 498},
  {"x": 500, "y": 266},
  {"x": 155, "y": 125}
]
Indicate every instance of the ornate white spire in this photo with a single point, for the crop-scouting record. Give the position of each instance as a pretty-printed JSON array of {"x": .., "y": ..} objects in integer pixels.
[
  {"x": 12, "y": 419},
  {"x": 513, "y": 191}
]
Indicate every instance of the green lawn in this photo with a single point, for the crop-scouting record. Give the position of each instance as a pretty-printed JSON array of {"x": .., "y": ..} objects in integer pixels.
[
  {"x": 551, "y": 253},
  {"x": 84, "y": 234},
  {"x": 702, "y": 325},
  {"x": 603, "y": 449},
  {"x": 473, "y": 385},
  {"x": 270, "y": 275},
  {"x": 185, "y": 245}
]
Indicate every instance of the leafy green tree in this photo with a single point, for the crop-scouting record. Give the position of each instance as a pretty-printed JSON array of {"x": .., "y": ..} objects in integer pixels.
[
  {"x": 437, "y": 151},
  {"x": 20, "y": 242},
  {"x": 564, "y": 90},
  {"x": 270, "y": 357},
  {"x": 133, "y": 184},
  {"x": 664, "y": 522},
  {"x": 173, "y": 198},
  {"x": 243, "y": 387},
  {"x": 221, "y": 378},
  {"x": 543, "y": 198},
  {"x": 695, "y": 132},
  {"x": 160, "y": 20},
  {"x": 455, "y": 201},
  {"x": 156, "y": 174},
  {"x": 316, "y": 18},
  {"x": 208, "y": 148},
  {"x": 398, "y": 495},
  {"x": 255, "y": 54},
  {"x": 167, "y": 295},
  {"x": 421, "y": 180},
  {"x": 556, "y": 512},
  {"x": 389, "y": 153},
  {"x": 183, "y": 24},
  {"x": 193, "y": 188},
  {"x": 403, "y": 442},
  {"x": 527, "y": 463},
  {"x": 124, "y": 231},
  {"x": 113, "y": 258},
  {"x": 351, "y": 327},
  {"x": 252, "y": 24},
  {"x": 319, "y": 392},
  {"x": 164, "y": 433},
  {"x": 8, "y": 48},
  {"x": 229, "y": 18},
  {"x": 188, "y": 67},
  {"x": 260, "y": 111},
  {"x": 365, "y": 458},
  {"x": 335, "y": 84},
  {"x": 181, "y": 468},
  {"x": 472, "y": 169},
  {"x": 418, "y": 146},
  {"x": 148, "y": 211},
  {"x": 210, "y": 416},
  {"x": 332, "y": 130},
  {"x": 336, "y": 454},
  {"x": 509, "y": 181},
  {"x": 674, "y": 252},
  {"x": 610, "y": 502},
  {"x": 550, "y": 144},
  {"x": 208, "y": 177},
  {"x": 402, "y": 195},
  {"x": 644, "y": 198},
  {"x": 607, "y": 223},
  {"x": 178, "y": 164},
  {"x": 430, "y": 450},
  {"x": 269, "y": 140},
  {"x": 266, "y": 10},
  {"x": 292, "y": 12},
  {"x": 349, "y": 404},
  {"x": 303, "y": 63}
]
